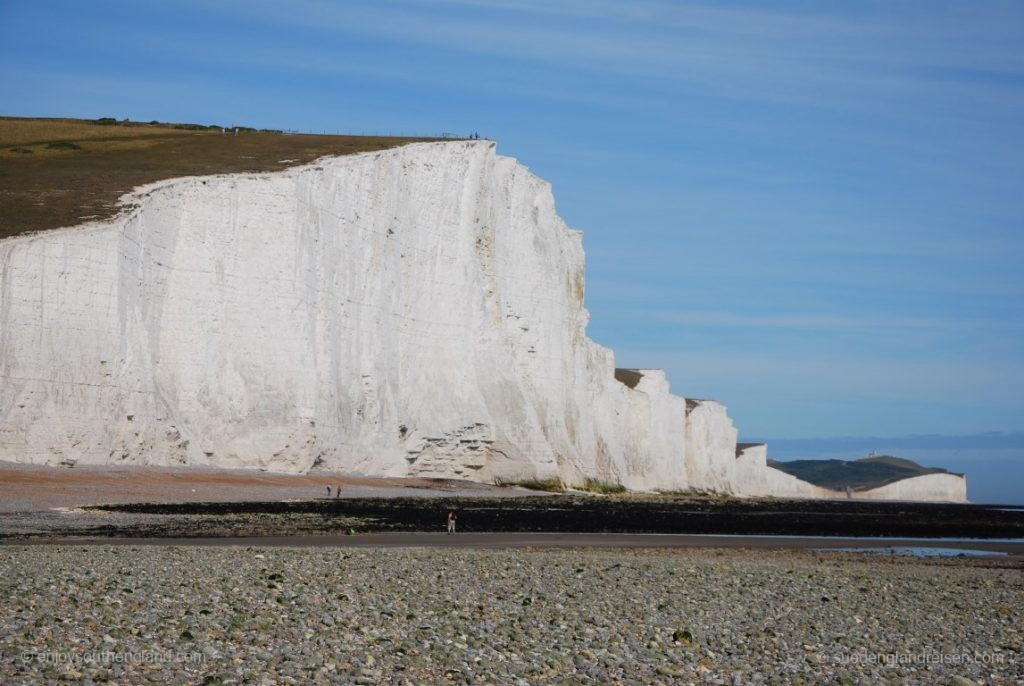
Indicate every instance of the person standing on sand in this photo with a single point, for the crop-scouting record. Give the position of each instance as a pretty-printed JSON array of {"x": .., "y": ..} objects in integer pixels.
[
  {"x": 328, "y": 491},
  {"x": 451, "y": 522},
  {"x": 337, "y": 491}
]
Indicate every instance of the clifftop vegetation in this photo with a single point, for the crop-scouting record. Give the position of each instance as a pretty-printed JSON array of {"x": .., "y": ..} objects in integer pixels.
[{"x": 61, "y": 172}]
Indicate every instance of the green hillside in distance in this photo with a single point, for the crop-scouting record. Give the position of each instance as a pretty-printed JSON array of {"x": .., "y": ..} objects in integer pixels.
[
  {"x": 61, "y": 172},
  {"x": 859, "y": 475}
]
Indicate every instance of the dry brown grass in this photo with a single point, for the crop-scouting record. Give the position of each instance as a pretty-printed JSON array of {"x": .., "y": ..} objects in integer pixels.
[
  {"x": 61, "y": 172},
  {"x": 28, "y": 132}
]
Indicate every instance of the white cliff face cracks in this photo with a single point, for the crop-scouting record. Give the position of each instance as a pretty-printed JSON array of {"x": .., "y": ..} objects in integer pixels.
[{"x": 417, "y": 311}]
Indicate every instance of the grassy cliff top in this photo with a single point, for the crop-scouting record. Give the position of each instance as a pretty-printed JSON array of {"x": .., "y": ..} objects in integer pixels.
[{"x": 61, "y": 172}]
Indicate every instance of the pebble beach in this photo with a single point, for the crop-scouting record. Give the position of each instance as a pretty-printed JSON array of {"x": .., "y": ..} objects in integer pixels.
[{"x": 276, "y": 615}]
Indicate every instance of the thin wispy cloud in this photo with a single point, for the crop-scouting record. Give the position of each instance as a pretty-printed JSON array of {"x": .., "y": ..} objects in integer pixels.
[
  {"x": 989, "y": 440},
  {"x": 778, "y": 56},
  {"x": 816, "y": 322}
]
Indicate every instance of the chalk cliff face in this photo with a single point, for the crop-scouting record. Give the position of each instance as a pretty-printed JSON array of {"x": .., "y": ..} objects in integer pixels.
[{"x": 417, "y": 311}]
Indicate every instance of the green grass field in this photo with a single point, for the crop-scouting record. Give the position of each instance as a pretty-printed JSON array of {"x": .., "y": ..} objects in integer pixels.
[{"x": 61, "y": 172}]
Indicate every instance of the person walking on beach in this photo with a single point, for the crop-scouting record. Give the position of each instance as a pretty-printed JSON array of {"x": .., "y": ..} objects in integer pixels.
[
  {"x": 337, "y": 491},
  {"x": 328, "y": 491},
  {"x": 451, "y": 522}
]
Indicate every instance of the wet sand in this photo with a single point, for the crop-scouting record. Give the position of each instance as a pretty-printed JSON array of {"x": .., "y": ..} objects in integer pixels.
[
  {"x": 168, "y": 504},
  {"x": 36, "y": 488}
]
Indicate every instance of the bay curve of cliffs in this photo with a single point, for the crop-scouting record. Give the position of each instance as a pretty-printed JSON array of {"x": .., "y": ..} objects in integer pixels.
[{"x": 411, "y": 312}]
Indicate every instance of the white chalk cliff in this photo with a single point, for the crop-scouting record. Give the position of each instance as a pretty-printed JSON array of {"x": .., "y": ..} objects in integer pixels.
[{"x": 417, "y": 311}]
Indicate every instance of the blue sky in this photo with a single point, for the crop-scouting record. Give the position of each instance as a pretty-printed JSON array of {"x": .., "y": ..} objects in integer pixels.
[{"x": 809, "y": 211}]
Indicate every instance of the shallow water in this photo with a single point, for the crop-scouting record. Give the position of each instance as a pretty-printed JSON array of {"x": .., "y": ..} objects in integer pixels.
[
  {"x": 917, "y": 551},
  {"x": 944, "y": 539}
]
